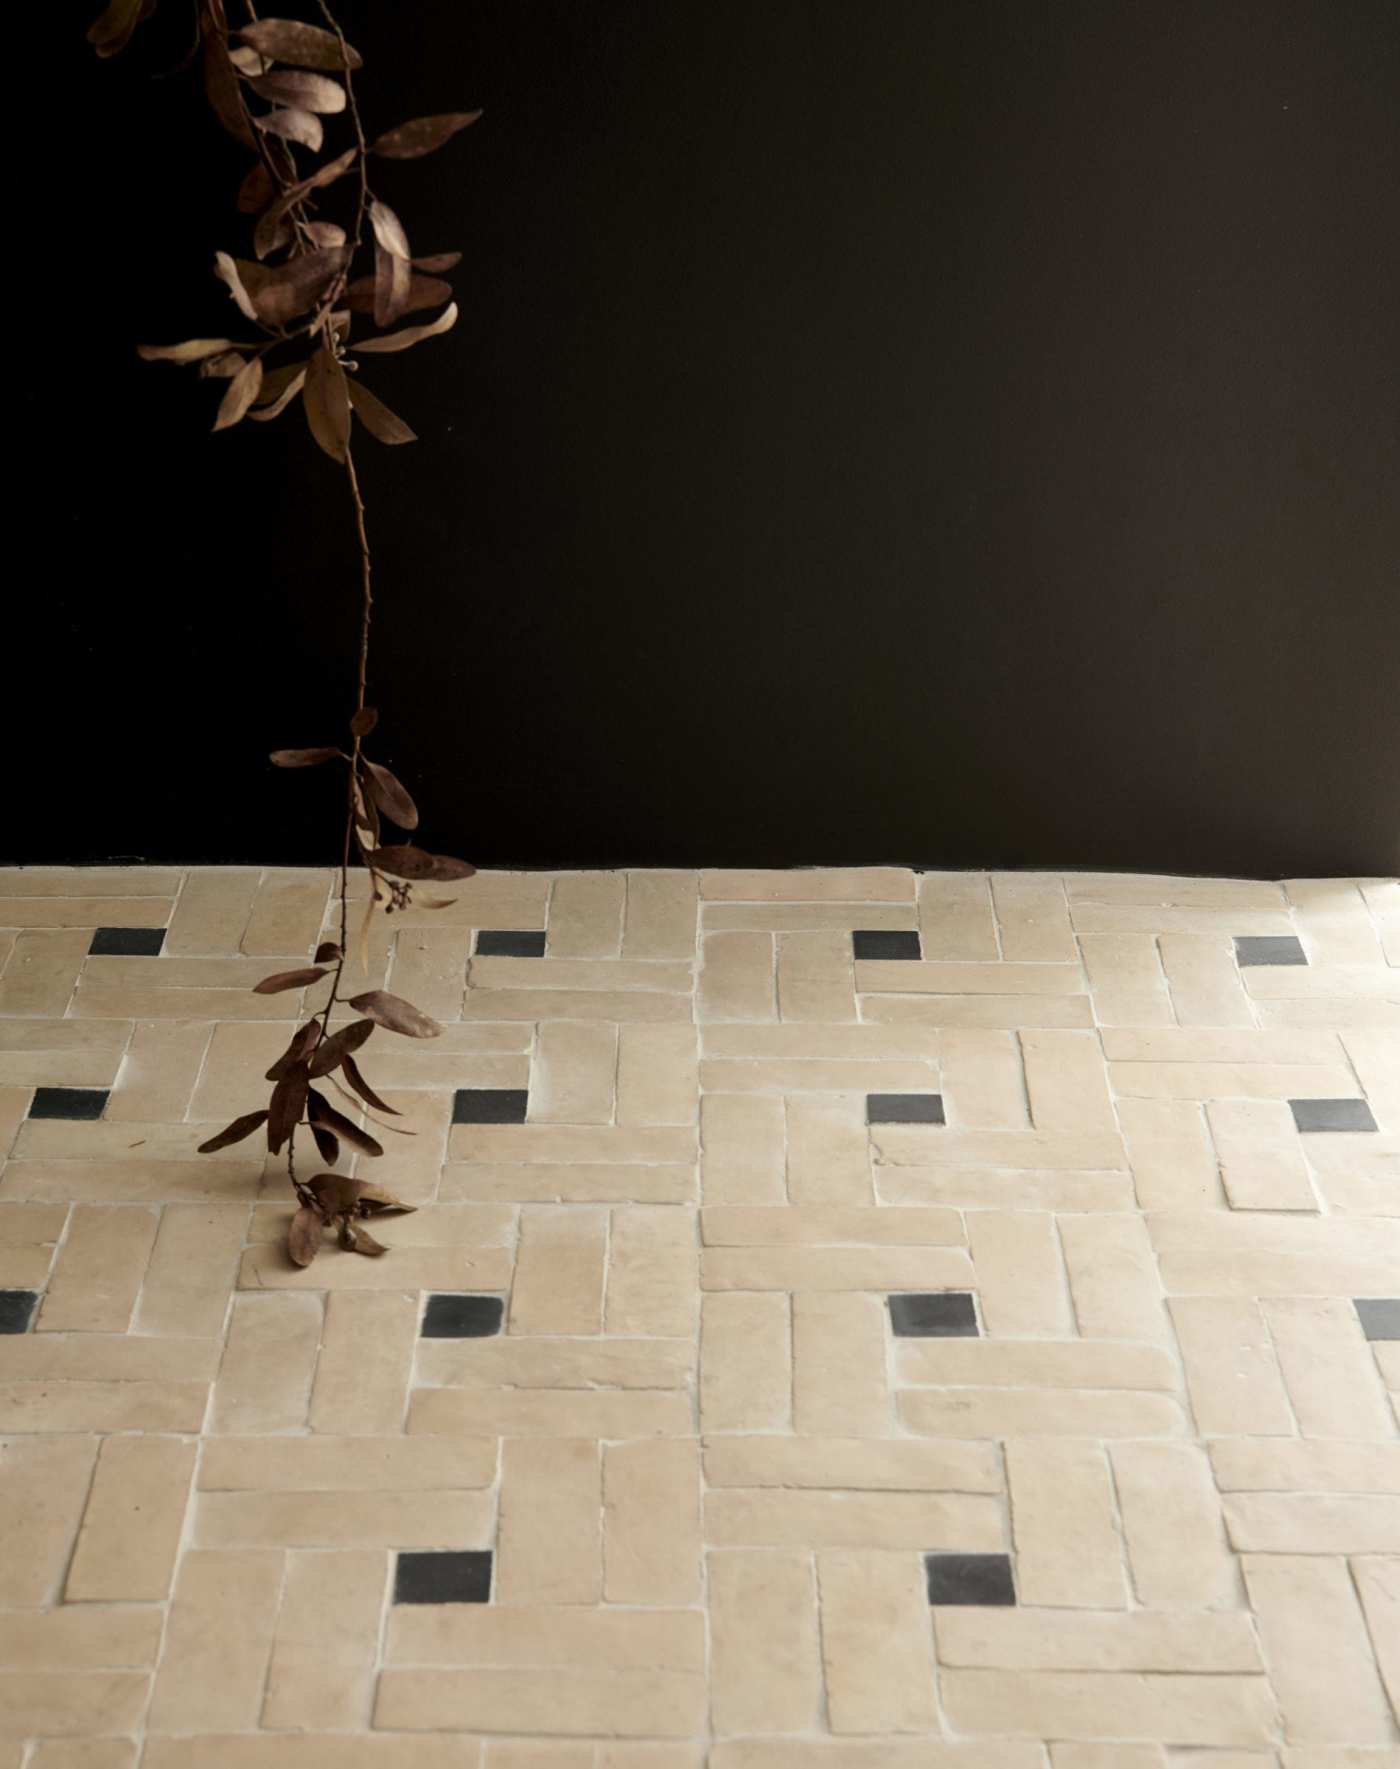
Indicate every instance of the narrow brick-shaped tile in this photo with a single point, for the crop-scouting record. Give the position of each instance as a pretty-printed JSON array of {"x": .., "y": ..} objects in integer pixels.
[
  {"x": 816, "y": 977},
  {"x": 745, "y": 1367},
  {"x": 549, "y": 1412},
  {"x": 1261, "y": 1164},
  {"x": 883, "y": 1269},
  {"x": 1177, "y": 1551},
  {"x": 585, "y": 915},
  {"x": 877, "y": 1649},
  {"x": 1173, "y": 1162},
  {"x": 332, "y": 1750},
  {"x": 327, "y": 1640},
  {"x": 742, "y": 1149},
  {"x": 42, "y": 970},
  {"x": 390, "y": 1464},
  {"x": 765, "y": 1664},
  {"x": 658, "y": 1078},
  {"x": 651, "y": 1282},
  {"x": 288, "y": 908},
  {"x": 1020, "y": 1275},
  {"x": 212, "y": 911},
  {"x": 1068, "y": 1550},
  {"x": 828, "y": 1151},
  {"x": 217, "y": 1641},
  {"x": 99, "y": 1269},
  {"x": 61, "y": 1703},
  {"x": 852, "y": 1464},
  {"x": 1030, "y": 1412},
  {"x": 983, "y": 1079},
  {"x": 1232, "y": 1371},
  {"x": 1126, "y": 980},
  {"x": 1204, "y": 980},
  {"x": 840, "y": 1385},
  {"x": 1033, "y": 917},
  {"x": 556, "y": 1701},
  {"x": 29, "y": 1236},
  {"x": 1320, "y": 1523},
  {"x": 1317, "y": 1649},
  {"x": 430, "y": 969},
  {"x": 573, "y": 1078},
  {"x": 1113, "y": 1278},
  {"x": 660, "y": 919},
  {"x": 82, "y": 1405},
  {"x": 550, "y": 1543},
  {"x": 159, "y": 1071},
  {"x": 737, "y": 977},
  {"x": 1067, "y": 1083},
  {"x": 429, "y": 1520},
  {"x": 1028, "y": 1639},
  {"x": 264, "y": 1380},
  {"x": 970, "y": 1522},
  {"x": 503, "y": 1362},
  {"x": 191, "y": 1270},
  {"x": 1378, "y": 1586},
  {"x": 133, "y": 1521},
  {"x": 502, "y": 1635},
  {"x": 1180, "y": 1709},
  {"x": 817, "y": 884},
  {"x": 955, "y": 916},
  {"x": 651, "y": 1522},
  {"x": 1270, "y": 1464},
  {"x": 1033, "y": 1363},
  {"x": 44, "y": 1483},
  {"x": 559, "y": 1271},
  {"x": 81, "y": 1637},
  {"x": 365, "y": 1364},
  {"x": 1328, "y": 1368}
]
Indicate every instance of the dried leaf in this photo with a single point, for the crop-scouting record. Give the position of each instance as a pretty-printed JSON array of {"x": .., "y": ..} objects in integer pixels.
[
  {"x": 291, "y": 124},
  {"x": 270, "y": 221},
  {"x": 325, "y": 233},
  {"x": 223, "y": 367},
  {"x": 304, "y": 1041},
  {"x": 438, "y": 261},
  {"x": 383, "y": 425},
  {"x": 306, "y": 92},
  {"x": 304, "y": 758},
  {"x": 301, "y": 45},
  {"x": 263, "y": 414},
  {"x": 327, "y": 403},
  {"x": 304, "y": 1234},
  {"x": 226, "y": 269},
  {"x": 327, "y": 1144},
  {"x": 288, "y": 979},
  {"x": 410, "y": 862},
  {"x": 286, "y": 1106},
  {"x": 338, "y": 1194},
  {"x": 256, "y": 191},
  {"x": 411, "y": 140},
  {"x": 192, "y": 350},
  {"x": 436, "y": 902},
  {"x": 362, "y": 1241},
  {"x": 321, "y": 1111},
  {"x": 390, "y": 794},
  {"x": 375, "y": 1201},
  {"x": 327, "y": 952},
  {"x": 396, "y": 1014},
  {"x": 423, "y": 291},
  {"x": 351, "y": 1070},
  {"x": 388, "y": 229},
  {"x": 367, "y": 717},
  {"x": 235, "y": 1132},
  {"x": 248, "y": 62},
  {"x": 338, "y": 1046},
  {"x": 242, "y": 391},
  {"x": 392, "y": 281},
  {"x": 221, "y": 83},
  {"x": 409, "y": 336},
  {"x": 280, "y": 292},
  {"x": 111, "y": 33}
]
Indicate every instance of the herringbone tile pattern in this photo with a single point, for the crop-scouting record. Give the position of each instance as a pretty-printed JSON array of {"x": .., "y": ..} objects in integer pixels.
[{"x": 923, "y": 1321}]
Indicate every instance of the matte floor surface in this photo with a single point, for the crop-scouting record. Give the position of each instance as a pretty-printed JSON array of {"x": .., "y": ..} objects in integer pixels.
[{"x": 854, "y": 1319}]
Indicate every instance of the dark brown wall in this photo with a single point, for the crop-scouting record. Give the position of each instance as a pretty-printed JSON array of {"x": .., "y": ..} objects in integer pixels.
[{"x": 949, "y": 433}]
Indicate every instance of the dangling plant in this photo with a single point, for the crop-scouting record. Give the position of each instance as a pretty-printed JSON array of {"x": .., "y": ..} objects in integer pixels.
[{"x": 309, "y": 282}]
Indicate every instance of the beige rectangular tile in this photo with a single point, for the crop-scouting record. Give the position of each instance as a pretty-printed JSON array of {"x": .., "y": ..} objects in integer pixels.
[
  {"x": 828, "y": 1152},
  {"x": 102, "y": 1406},
  {"x": 1261, "y": 1163},
  {"x": 916, "y": 1146},
  {"x": 60, "y": 1703},
  {"x": 804, "y": 917},
  {"x": 430, "y": 969},
  {"x": 1028, "y": 1639},
  {"x": 893, "y": 976},
  {"x": 1378, "y": 1586},
  {"x": 404, "y": 1268},
  {"x": 265, "y": 1379},
  {"x": 89, "y": 881},
  {"x": 1185, "y": 918},
  {"x": 550, "y": 1539},
  {"x": 586, "y": 914},
  {"x": 1317, "y": 1650},
  {"x": 983, "y": 1080},
  {"x": 876, "y": 1647},
  {"x": 1033, "y": 918},
  {"x": 133, "y": 1522},
  {"x": 1113, "y": 1278},
  {"x": 1068, "y": 1551},
  {"x": 327, "y": 1641},
  {"x": 288, "y": 908},
  {"x": 41, "y": 972},
  {"x": 856, "y": 1464},
  {"x": 1126, "y": 980},
  {"x": 1165, "y": 889},
  {"x": 809, "y": 1042},
  {"x": 150, "y": 1001},
  {"x": 332, "y": 1464},
  {"x": 99, "y": 1269},
  {"x": 365, "y": 1520},
  {"x": 552, "y": 1701},
  {"x": 839, "y": 1361},
  {"x": 651, "y": 1285},
  {"x": 83, "y": 912},
  {"x": 736, "y": 1517},
  {"x": 745, "y": 1362},
  {"x": 737, "y": 978},
  {"x": 212, "y": 911},
  {"x": 1033, "y": 1363},
  {"x": 333, "y": 1750},
  {"x": 549, "y": 1412},
  {"x": 1206, "y": 1045},
  {"x": 1374, "y": 1054},
  {"x": 1286, "y": 1465},
  {"x": 556, "y": 976},
  {"x": 44, "y": 1484},
  {"x": 551, "y": 1182},
  {"x": 1020, "y": 1275},
  {"x": 647, "y": 1005},
  {"x": 29, "y": 1234},
  {"x": 533, "y": 1143},
  {"x": 661, "y": 915},
  {"x": 365, "y": 1364},
  {"x": 556, "y": 1363},
  {"x": 1171, "y": 1518},
  {"x": 1066, "y": 1081},
  {"x": 1033, "y": 1412},
  {"x": 559, "y": 1270},
  {"x": 1311, "y": 1523},
  {"x": 111, "y": 1357},
  {"x": 1180, "y": 1709},
  {"x": 1232, "y": 1371},
  {"x": 651, "y": 1522},
  {"x": 1328, "y": 1368},
  {"x": 1005, "y": 1013},
  {"x": 191, "y": 1270},
  {"x": 1229, "y": 1081},
  {"x": 1235, "y": 1273},
  {"x": 816, "y": 976},
  {"x": 658, "y": 1080},
  {"x": 742, "y": 1140},
  {"x": 1305, "y": 982},
  {"x": 955, "y": 917},
  {"x": 829, "y": 1225},
  {"x": 86, "y": 1637},
  {"x": 14, "y": 1103},
  {"x": 882, "y": 1753},
  {"x": 217, "y": 1641},
  {"x": 825, "y": 884},
  {"x": 992, "y": 1188},
  {"x": 834, "y": 1268},
  {"x": 765, "y": 1664},
  {"x": 1204, "y": 979},
  {"x": 520, "y": 1635}
]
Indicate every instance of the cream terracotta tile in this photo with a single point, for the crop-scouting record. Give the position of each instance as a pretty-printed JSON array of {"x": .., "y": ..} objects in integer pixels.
[
  {"x": 265, "y": 1378},
  {"x": 537, "y": 1634},
  {"x": 327, "y": 1640},
  {"x": 644, "y": 1703},
  {"x": 84, "y": 912},
  {"x": 969, "y": 1523},
  {"x": 1378, "y": 1586},
  {"x": 429, "y": 969},
  {"x": 651, "y": 1522},
  {"x": 766, "y": 1669},
  {"x": 826, "y": 884},
  {"x": 288, "y": 908},
  {"x": 816, "y": 977},
  {"x": 651, "y": 1283},
  {"x": 66, "y": 1703},
  {"x": 1064, "y": 1524},
  {"x": 29, "y": 1235},
  {"x": 42, "y": 969},
  {"x": 1032, "y": 1412},
  {"x": 840, "y": 1385},
  {"x": 1177, "y": 1551},
  {"x": 554, "y": 1182},
  {"x": 852, "y": 1464},
  {"x": 983, "y": 1080},
  {"x": 586, "y": 914},
  {"x": 1127, "y": 981},
  {"x": 365, "y": 1365},
  {"x": 1029, "y": 1639},
  {"x": 191, "y": 1270},
  {"x": 555, "y": 1363},
  {"x": 365, "y": 1520},
  {"x": 550, "y": 1540},
  {"x": 876, "y": 1647},
  {"x": 573, "y": 1079},
  {"x": 44, "y": 1484},
  {"x": 1020, "y": 1275},
  {"x": 1033, "y": 918},
  {"x": 133, "y": 1523},
  {"x": 99, "y": 1269},
  {"x": 1317, "y": 1650},
  {"x": 661, "y": 915},
  {"x": 1113, "y": 1278},
  {"x": 212, "y": 911},
  {"x": 828, "y": 1152},
  {"x": 102, "y": 1406},
  {"x": 745, "y": 1368},
  {"x": 329, "y": 1464},
  {"x": 657, "y": 1075},
  {"x": 742, "y": 1149},
  {"x": 559, "y": 1270},
  {"x": 737, "y": 977},
  {"x": 549, "y": 1412},
  {"x": 218, "y": 1639},
  {"x": 1180, "y": 1709},
  {"x": 835, "y": 1268}
]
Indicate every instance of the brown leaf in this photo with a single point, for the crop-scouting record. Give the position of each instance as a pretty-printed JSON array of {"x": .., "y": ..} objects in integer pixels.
[
  {"x": 110, "y": 33},
  {"x": 390, "y": 794},
  {"x": 306, "y": 92},
  {"x": 367, "y": 717},
  {"x": 325, "y": 233},
  {"x": 288, "y": 979},
  {"x": 248, "y": 62},
  {"x": 301, "y": 45},
  {"x": 388, "y": 229},
  {"x": 304, "y": 1041},
  {"x": 396, "y": 1014},
  {"x": 223, "y": 367},
  {"x": 304, "y": 1234},
  {"x": 435, "y": 902},
  {"x": 221, "y": 83},
  {"x": 362, "y": 1241},
  {"x": 409, "y": 336},
  {"x": 438, "y": 261},
  {"x": 242, "y": 391},
  {"x": 192, "y": 350},
  {"x": 375, "y": 1201},
  {"x": 411, "y": 140},
  {"x": 351, "y": 1070},
  {"x": 327, "y": 1144},
  {"x": 327, "y": 952},
  {"x": 327, "y": 403},
  {"x": 235, "y": 1132},
  {"x": 410, "y": 862},
  {"x": 383, "y": 424},
  {"x": 321, "y": 1111},
  {"x": 296, "y": 380},
  {"x": 304, "y": 758},
  {"x": 257, "y": 189},
  {"x": 337, "y": 1193},
  {"x": 338, "y": 1046},
  {"x": 286, "y": 1106},
  {"x": 303, "y": 127},
  {"x": 392, "y": 281},
  {"x": 423, "y": 291},
  {"x": 279, "y": 292},
  {"x": 270, "y": 221},
  {"x": 227, "y": 271}
]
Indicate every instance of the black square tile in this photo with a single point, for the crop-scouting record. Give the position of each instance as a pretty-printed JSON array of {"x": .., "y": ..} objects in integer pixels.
[
  {"x": 983, "y": 1579},
  {"x": 17, "y": 1310},
  {"x": 494, "y": 942},
  {"x": 1332, "y": 1114},
  {"x": 449, "y": 1575},
  {"x": 939, "y": 1314},
  {"x": 904, "y": 1108},
  {"x": 453, "y": 1316},
  {"x": 489, "y": 1105},
  {"x": 1269, "y": 949},
  {"x": 885, "y": 943},
  {"x": 128, "y": 942},
  {"x": 69, "y": 1102},
  {"x": 1380, "y": 1316}
]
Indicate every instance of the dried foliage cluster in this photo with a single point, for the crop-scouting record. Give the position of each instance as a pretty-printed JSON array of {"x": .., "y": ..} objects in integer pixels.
[{"x": 309, "y": 282}]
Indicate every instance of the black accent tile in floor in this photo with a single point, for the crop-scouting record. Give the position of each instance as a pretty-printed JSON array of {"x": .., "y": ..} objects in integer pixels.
[
  {"x": 493, "y": 942},
  {"x": 448, "y": 1575},
  {"x": 87, "y": 1103},
  {"x": 1269, "y": 949},
  {"x": 982, "y": 1579},
  {"x": 17, "y": 1310},
  {"x": 454, "y": 1316},
  {"x": 127, "y": 942},
  {"x": 885, "y": 943},
  {"x": 904, "y": 1108},
  {"x": 490, "y": 1105},
  {"x": 1332, "y": 1114},
  {"x": 1379, "y": 1316},
  {"x": 939, "y": 1314}
]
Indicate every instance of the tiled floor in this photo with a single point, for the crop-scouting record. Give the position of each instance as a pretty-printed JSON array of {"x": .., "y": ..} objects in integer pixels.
[{"x": 856, "y": 1320}]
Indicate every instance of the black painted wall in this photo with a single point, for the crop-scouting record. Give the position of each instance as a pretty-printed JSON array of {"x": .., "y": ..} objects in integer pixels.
[{"x": 960, "y": 434}]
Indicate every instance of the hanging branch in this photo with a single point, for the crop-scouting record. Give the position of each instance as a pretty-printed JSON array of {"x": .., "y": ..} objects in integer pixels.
[{"x": 270, "y": 84}]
